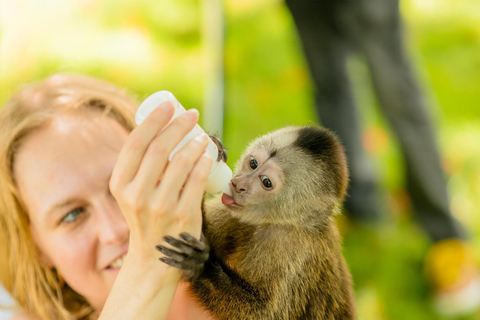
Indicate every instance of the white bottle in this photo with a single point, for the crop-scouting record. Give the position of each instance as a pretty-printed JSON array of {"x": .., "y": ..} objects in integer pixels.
[{"x": 220, "y": 174}]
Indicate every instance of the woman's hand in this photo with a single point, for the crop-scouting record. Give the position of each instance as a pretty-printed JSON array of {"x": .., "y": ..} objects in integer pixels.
[{"x": 158, "y": 197}]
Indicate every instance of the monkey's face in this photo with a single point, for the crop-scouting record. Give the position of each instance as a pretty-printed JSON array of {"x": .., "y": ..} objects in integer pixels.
[
  {"x": 258, "y": 179},
  {"x": 292, "y": 175}
]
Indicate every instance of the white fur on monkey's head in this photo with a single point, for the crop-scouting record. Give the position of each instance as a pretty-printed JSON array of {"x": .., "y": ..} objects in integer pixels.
[{"x": 301, "y": 168}]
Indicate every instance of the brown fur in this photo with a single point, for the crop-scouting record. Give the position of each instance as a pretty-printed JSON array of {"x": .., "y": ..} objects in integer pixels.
[{"x": 280, "y": 258}]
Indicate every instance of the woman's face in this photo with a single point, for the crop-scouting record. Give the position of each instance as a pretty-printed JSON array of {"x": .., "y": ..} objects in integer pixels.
[{"x": 63, "y": 172}]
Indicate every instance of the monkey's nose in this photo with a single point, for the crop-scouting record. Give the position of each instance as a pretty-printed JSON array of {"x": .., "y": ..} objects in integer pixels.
[{"x": 239, "y": 185}]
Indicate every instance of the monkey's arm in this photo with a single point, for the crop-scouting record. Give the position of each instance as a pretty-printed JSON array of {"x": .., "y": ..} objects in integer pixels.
[{"x": 226, "y": 293}]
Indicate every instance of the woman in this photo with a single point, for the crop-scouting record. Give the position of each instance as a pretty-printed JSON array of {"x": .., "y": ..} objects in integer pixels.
[{"x": 81, "y": 187}]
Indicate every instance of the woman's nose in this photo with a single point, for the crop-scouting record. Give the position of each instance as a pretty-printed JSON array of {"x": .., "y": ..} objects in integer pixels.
[{"x": 111, "y": 226}]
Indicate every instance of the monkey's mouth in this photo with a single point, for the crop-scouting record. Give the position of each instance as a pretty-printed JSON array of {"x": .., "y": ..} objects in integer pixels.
[{"x": 228, "y": 200}]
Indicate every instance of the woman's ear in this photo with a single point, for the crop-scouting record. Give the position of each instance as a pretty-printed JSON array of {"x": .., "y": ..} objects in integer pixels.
[
  {"x": 45, "y": 260},
  {"x": 43, "y": 257}
]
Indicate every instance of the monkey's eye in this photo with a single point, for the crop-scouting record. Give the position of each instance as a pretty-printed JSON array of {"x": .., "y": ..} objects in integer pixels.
[
  {"x": 266, "y": 182},
  {"x": 253, "y": 163}
]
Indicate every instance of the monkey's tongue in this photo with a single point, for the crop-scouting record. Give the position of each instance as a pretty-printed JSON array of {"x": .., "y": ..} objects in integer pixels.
[{"x": 227, "y": 200}]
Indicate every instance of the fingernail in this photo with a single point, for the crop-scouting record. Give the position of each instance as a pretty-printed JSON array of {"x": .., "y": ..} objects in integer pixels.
[
  {"x": 201, "y": 137},
  {"x": 166, "y": 106},
  {"x": 192, "y": 114}
]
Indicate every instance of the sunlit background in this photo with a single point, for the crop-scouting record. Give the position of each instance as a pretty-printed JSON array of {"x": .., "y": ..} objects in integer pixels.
[{"x": 146, "y": 46}]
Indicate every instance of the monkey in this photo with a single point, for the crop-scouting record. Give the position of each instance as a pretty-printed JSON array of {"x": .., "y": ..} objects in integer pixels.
[
  {"x": 272, "y": 250},
  {"x": 222, "y": 152}
]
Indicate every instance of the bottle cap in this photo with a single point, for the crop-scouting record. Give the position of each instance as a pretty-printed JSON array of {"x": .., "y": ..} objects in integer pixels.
[
  {"x": 219, "y": 179},
  {"x": 152, "y": 102}
]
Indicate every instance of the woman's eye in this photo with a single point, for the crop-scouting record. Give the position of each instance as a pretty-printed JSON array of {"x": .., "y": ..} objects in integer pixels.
[
  {"x": 72, "y": 216},
  {"x": 253, "y": 163},
  {"x": 266, "y": 182}
]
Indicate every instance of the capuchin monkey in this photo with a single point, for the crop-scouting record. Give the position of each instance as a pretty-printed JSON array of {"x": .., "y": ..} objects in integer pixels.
[{"x": 272, "y": 250}]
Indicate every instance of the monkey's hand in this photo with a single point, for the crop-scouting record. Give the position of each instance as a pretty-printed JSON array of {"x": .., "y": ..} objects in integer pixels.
[
  {"x": 222, "y": 152},
  {"x": 189, "y": 255}
]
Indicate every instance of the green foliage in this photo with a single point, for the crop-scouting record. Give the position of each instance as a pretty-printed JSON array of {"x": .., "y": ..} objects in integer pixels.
[{"x": 146, "y": 46}]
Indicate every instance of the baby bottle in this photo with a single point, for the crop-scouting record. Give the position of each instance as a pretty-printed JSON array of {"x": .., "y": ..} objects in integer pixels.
[{"x": 220, "y": 174}]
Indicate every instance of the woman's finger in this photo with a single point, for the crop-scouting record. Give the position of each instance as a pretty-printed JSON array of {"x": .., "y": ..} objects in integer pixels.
[
  {"x": 178, "y": 169},
  {"x": 194, "y": 188},
  {"x": 137, "y": 142},
  {"x": 155, "y": 161}
]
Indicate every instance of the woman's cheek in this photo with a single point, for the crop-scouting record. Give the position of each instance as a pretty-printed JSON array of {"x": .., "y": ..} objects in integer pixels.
[{"x": 75, "y": 261}]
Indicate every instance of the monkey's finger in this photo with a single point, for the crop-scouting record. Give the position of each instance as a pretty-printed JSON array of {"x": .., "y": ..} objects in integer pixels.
[
  {"x": 220, "y": 148},
  {"x": 192, "y": 242},
  {"x": 177, "y": 256},
  {"x": 225, "y": 155},
  {"x": 171, "y": 262},
  {"x": 180, "y": 245}
]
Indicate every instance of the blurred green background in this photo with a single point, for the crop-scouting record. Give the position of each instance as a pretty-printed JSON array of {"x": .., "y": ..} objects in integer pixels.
[{"x": 146, "y": 46}]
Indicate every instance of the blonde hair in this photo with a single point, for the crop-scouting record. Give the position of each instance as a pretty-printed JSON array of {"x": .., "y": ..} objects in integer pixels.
[{"x": 36, "y": 288}]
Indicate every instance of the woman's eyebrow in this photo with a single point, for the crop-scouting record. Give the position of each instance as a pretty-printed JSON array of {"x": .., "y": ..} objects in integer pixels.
[
  {"x": 59, "y": 205},
  {"x": 71, "y": 200}
]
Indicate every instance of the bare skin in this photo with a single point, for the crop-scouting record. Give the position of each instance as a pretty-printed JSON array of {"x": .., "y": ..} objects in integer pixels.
[{"x": 116, "y": 207}]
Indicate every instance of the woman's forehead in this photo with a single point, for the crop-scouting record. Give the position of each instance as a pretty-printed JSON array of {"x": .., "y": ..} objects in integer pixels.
[
  {"x": 67, "y": 157},
  {"x": 69, "y": 135}
]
